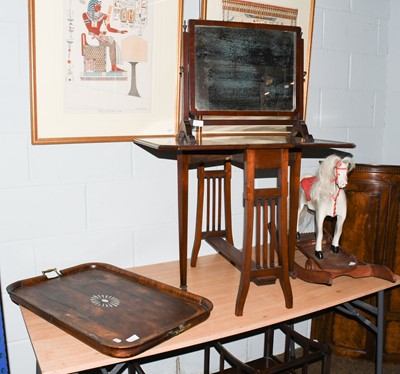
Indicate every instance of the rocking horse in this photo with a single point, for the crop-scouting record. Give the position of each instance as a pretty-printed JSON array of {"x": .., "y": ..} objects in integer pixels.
[{"x": 324, "y": 194}]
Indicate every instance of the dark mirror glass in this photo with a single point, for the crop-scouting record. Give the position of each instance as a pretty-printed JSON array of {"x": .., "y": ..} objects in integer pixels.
[{"x": 244, "y": 69}]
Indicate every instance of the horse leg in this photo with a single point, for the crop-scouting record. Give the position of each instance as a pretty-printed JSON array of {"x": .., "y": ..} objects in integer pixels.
[
  {"x": 341, "y": 207},
  {"x": 319, "y": 220},
  {"x": 298, "y": 235},
  {"x": 302, "y": 203},
  {"x": 338, "y": 232}
]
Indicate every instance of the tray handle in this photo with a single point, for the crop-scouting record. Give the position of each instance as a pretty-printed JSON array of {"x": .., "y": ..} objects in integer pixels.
[
  {"x": 51, "y": 273},
  {"x": 179, "y": 329}
]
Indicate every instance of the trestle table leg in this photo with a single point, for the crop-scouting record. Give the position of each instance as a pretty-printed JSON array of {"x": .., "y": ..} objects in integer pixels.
[{"x": 353, "y": 308}]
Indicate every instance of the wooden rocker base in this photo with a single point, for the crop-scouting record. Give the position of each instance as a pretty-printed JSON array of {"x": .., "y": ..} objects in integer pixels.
[{"x": 333, "y": 265}]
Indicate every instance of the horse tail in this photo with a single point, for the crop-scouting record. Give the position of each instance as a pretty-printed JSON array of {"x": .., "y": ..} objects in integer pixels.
[
  {"x": 306, "y": 217},
  {"x": 302, "y": 214}
]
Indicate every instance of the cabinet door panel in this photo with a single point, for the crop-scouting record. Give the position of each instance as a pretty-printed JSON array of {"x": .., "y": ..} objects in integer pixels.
[{"x": 365, "y": 225}]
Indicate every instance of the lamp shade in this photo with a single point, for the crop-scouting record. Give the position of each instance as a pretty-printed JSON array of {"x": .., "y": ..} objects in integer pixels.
[{"x": 134, "y": 49}]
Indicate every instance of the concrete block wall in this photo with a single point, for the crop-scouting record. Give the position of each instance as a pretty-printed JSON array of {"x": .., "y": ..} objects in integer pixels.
[
  {"x": 62, "y": 205},
  {"x": 348, "y": 74}
]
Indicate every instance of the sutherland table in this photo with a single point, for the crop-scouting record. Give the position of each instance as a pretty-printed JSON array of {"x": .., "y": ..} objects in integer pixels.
[
  {"x": 216, "y": 279},
  {"x": 208, "y": 149}
]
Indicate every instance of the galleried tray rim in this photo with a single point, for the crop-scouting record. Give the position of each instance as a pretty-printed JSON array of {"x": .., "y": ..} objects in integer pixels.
[{"x": 107, "y": 321}]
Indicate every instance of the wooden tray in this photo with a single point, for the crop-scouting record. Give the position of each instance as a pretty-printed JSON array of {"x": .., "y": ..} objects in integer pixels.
[{"x": 115, "y": 311}]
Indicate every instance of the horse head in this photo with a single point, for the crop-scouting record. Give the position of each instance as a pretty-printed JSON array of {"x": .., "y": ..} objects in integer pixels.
[
  {"x": 342, "y": 168},
  {"x": 335, "y": 169}
]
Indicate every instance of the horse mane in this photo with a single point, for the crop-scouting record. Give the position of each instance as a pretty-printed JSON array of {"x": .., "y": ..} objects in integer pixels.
[{"x": 326, "y": 174}]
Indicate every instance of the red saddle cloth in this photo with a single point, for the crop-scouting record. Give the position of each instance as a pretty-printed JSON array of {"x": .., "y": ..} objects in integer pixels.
[{"x": 306, "y": 184}]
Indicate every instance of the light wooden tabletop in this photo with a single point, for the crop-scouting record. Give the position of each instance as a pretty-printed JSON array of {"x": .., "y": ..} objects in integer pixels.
[{"x": 217, "y": 280}]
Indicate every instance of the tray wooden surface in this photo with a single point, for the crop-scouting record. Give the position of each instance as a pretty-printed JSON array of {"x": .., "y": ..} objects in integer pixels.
[{"x": 115, "y": 311}]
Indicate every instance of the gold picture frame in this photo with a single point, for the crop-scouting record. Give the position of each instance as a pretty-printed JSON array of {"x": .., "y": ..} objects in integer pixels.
[
  {"x": 293, "y": 12},
  {"x": 103, "y": 75}
]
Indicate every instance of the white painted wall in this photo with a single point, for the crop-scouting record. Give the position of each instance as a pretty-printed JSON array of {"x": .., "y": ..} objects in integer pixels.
[
  {"x": 62, "y": 205},
  {"x": 347, "y": 97}
]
